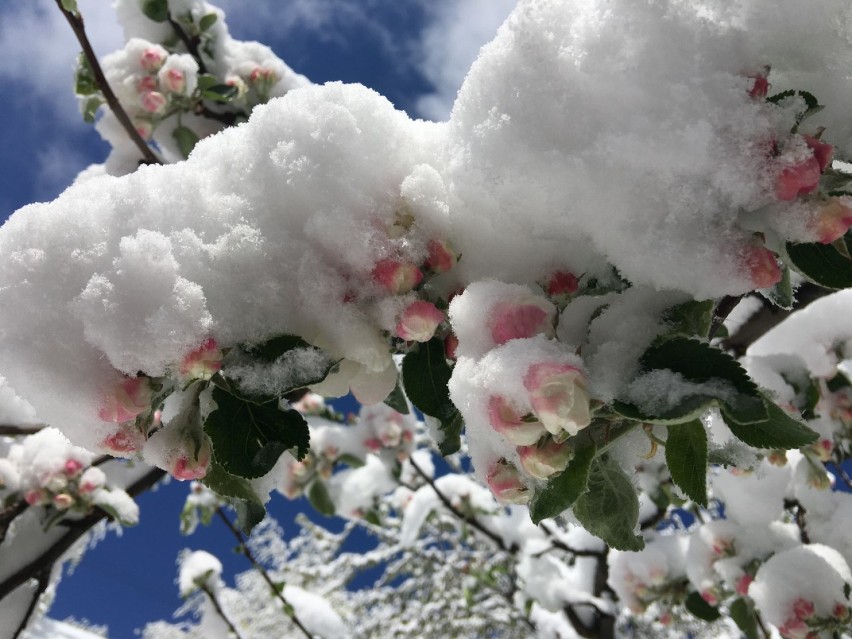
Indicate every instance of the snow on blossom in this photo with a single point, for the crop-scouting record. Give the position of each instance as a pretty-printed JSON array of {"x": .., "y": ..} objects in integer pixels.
[
  {"x": 511, "y": 424},
  {"x": 419, "y": 321},
  {"x": 639, "y": 577},
  {"x": 198, "y": 569},
  {"x": 559, "y": 396}
]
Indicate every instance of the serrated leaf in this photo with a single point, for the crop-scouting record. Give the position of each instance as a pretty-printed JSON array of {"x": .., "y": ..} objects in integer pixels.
[
  {"x": 207, "y": 21},
  {"x": 186, "y": 139},
  {"x": 156, "y": 10},
  {"x": 609, "y": 509},
  {"x": 224, "y": 484},
  {"x": 822, "y": 264},
  {"x": 396, "y": 399},
  {"x": 320, "y": 498},
  {"x": 689, "y": 409},
  {"x": 221, "y": 93},
  {"x": 561, "y": 492},
  {"x": 691, "y": 318},
  {"x": 812, "y": 105},
  {"x": 84, "y": 77},
  {"x": 205, "y": 81},
  {"x": 743, "y": 616},
  {"x": 696, "y": 605},
  {"x": 425, "y": 374},
  {"x": 278, "y": 347},
  {"x": 781, "y": 295},
  {"x": 778, "y": 431},
  {"x": 835, "y": 182},
  {"x": 248, "y": 437},
  {"x": 686, "y": 457},
  {"x": 249, "y": 515}
]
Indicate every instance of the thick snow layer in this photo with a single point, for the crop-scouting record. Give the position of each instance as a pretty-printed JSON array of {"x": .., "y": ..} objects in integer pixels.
[{"x": 198, "y": 569}]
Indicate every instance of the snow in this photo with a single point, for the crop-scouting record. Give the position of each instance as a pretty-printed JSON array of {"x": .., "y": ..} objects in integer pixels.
[
  {"x": 315, "y": 613},
  {"x": 198, "y": 570}
]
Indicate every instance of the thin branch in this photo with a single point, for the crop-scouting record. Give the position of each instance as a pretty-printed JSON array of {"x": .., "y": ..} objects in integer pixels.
[
  {"x": 723, "y": 309},
  {"x": 288, "y": 608},
  {"x": 558, "y": 543},
  {"x": 9, "y": 430},
  {"x": 218, "y": 607},
  {"x": 76, "y": 22},
  {"x": 191, "y": 44},
  {"x": 42, "y": 582}
]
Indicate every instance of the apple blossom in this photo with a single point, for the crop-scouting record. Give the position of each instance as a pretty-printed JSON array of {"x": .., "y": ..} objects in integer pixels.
[
  {"x": 559, "y": 397},
  {"x": 92, "y": 479},
  {"x": 419, "y": 321},
  {"x": 202, "y": 363},
  {"x": 63, "y": 501},
  {"x": 173, "y": 80},
  {"x": 441, "y": 257},
  {"x": 72, "y": 467},
  {"x": 129, "y": 398},
  {"x": 153, "y": 102},
  {"x": 545, "y": 459},
  {"x": 511, "y": 424},
  {"x": 192, "y": 466},
  {"x": 822, "y": 151},
  {"x": 506, "y": 483},
  {"x": 833, "y": 219},
  {"x": 562, "y": 284},
  {"x": 798, "y": 179},
  {"x": 762, "y": 267},
  {"x": 759, "y": 87},
  {"x": 126, "y": 440},
  {"x": 522, "y": 317},
  {"x": 147, "y": 83},
  {"x": 396, "y": 277},
  {"x": 153, "y": 58},
  {"x": 144, "y": 128},
  {"x": 451, "y": 344}
]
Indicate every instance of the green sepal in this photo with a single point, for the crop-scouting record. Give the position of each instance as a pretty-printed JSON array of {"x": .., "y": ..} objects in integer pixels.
[
  {"x": 207, "y": 21},
  {"x": 686, "y": 457},
  {"x": 562, "y": 491},
  {"x": 699, "y": 608},
  {"x": 396, "y": 399},
  {"x": 779, "y": 430},
  {"x": 690, "y": 318},
  {"x": 425, "y": 374},
  {"x": 249, "y": 515},
  {"x": 609, "y": 509},
  {"x": 156, "y": 10},
  {"x": 186, "y": 139},
  {"x": 249, "y": 436},
  {"x": 743, "y": 615},
  {"x": 320, "y": 498},
  {"x": 822, "y": 264}
]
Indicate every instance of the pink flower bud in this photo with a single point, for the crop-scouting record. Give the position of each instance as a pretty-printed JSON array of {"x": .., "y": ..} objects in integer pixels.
[
  {"x": 559, "y": 398},
  {"x": 441, "y": 257},
  {"x": 146, "y": 83},
  {"x": 451, "y": 345},
  {"x": 823, "y": 449},
  {"x": 263, "y": 78},
  {"x": 803, "y": 609},
  {"x": 419, "y": 321},
  {"x": 799, "y": 179},
  {"x": 153, "y": 102},
  {"x": 562, "y": 284},
  {"x": 840, "y": 611},
  {"x": 795, "y": 629},
  {"x": 173, "y": 81},
  {"x": 743, "y": 583},
  {"x": 35, "y": 497},
  {"x": 759, "y": 87},
  {"x": 91, "y": 479},
  {"x": 518, "y": 319},
  {"x": 202, "y": 363},
  {"x": 709, "y": 595},
  {"x": 153, "y": 58},
  {"x": 762, "y": 267},
  {"x": 190, "y": 466},
  {"x": 823, "y": 151},
  {"x": 506, "y": 483},
  {"x": 238, "y": 83},
  {"x": 546, "y": 459},
  {"x": 510, "y": 423},
  {"x": 72, "y": 467},
  {"x": 666, "y": 619},
  {"x": 834, "y": 219},
  {"x": 63, "y": 501},
  {"x": 128, "y": 399},
  {"x": 373, "y": 444},
  {"x": 396, "y": 277},
  {"x": 125, "y": 441}
]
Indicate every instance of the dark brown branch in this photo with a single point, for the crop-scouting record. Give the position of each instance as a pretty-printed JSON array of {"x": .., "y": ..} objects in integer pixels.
[
  {"x": 800, "y": 514},
  {"x": 557, "y": 543},
  {"x": 218, "y": 607},
  {"x": 8, "y": 430},
  {"x": 288, "y": 608},
  {"x": 42, "y": 582},
  {"x": 76, "y": 22},
  {"x": 191, "y": 44},
  {"x": 723, "y": 309}
]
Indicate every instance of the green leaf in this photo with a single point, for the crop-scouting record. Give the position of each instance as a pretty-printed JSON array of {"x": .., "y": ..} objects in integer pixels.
[
  {"x": 90, "y": 108},
  {"x": 248, "y": 437},
  {"x": 686, "y": 456},
  {"x": 285, "y": 346},
  {"x": 156, "y": 10},
  {"x": 186, "y": 139},
  {"x": 396, "y": 399},
  {"x": 609, "y": 509},
  {"x": 560, "y": 493},
  {"x": 350, "y": 460},
  {"x": 743, "y": 616},
  {"x": 249, "y": 515},
  {"x": 224, "y": 484},
  {"x": 84, "y": 78},
  {"x": 221, "y": 93},
  {"x": 822, "y": 264},
  {"x": 691, "y": 318},
  {"x": 778, "y": 431},
  {"x": 835, "y": 182},
  {"x": 696, "y": 605},
  {"x": 781, "y": 295},
  {"x": 205, "y": 81},
  {"x": 425, "y": 374},
  {"x": 207, "y": 21},
  {"x": 70, "y": 5},
  {"x": 812, "y": 105},
  {"x": 320, "y": 499}
]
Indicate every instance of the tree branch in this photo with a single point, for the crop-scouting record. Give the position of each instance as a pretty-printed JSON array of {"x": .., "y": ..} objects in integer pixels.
[
  {"x": 191, "y": 44},
  {"x": 76, "y": 22},
  {"x": 9, "y": 430},
  {"x": 218, "y": 607},
  {"x": 42, "y": 582}
]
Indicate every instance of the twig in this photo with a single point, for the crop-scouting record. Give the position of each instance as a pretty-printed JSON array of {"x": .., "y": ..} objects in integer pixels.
[
  {"x": 8, "y": 430},
  {"x": 191, "y": 44},
  {"x": 723, "y": 309},
  {"x": 218, "y": 607},
  {"x": 288, "y": 608},
  {"x": 42, "y": 582},
  {"x": 76, "y": 22},
  {"x": 558, "y": 543}
]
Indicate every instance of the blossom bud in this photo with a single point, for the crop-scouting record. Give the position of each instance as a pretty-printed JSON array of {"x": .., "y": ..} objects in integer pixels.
[
  {"x": 509, "y": 423},
  {"x": 441, "y": 257},
  {"x": 818, "y": 479},
  {"x": 823, "y": 151},
  {"x": 559, "y": 398},
  {"x": 834, "y": 219},
  {"x": 123, "y": 441},
  {"x": 762, "y": 267},
  {"x": 129, "y": 398},
  {"x": 153, "y": 58},
  {"x": 153, "y": 102},
  {"x": 144, "y": 128},
  {"x": 419, "y": 321},
  {"x": 803, "y": 609},
  {"x": 562, "y": 285},
  {"x": 743, "y": 583},
  {"x": 202, "y": 363},
  {"x": 799, "y": 179},
  {"x": 759, "y": 86},
  {"x": 544, "y": 460},
  {"x": 173, "y": 80},
  {"x": 795, "y": 629},
  {"x": 238, "y": 83},
  {"x": 55, "y": 483},
  {"x": 262, "y": 79},
  {"x": 373, "y": 444},
  {"x": 146, "y": 83},
  {"x": 63, "y": 501},
  {"x": 396, "y": 277},
  {"x": 526, "y": 316},
  {"x": 506, "y": 483},
  {"x": 840, "y": 611},
  {"x": 35, "y": 497},
  {"x": 91, "y": 479},
  {"x": 451, "y": 344},
  {"x": 72, "y": 467},
  {"x": 192, "y": 466},
  {"x": 710, "y": 595},
  {"x": 823, "y": 449}
]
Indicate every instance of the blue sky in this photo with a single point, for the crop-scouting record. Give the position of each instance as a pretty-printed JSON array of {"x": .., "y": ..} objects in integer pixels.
[{"x": 414, "y": 52}]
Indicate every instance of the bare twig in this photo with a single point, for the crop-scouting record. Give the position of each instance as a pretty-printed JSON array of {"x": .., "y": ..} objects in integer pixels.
[
  {"x": 42, "y": 582},
  {"x": 191, "y": 44},
  {"x": 288, "y": 608},
  {"x": 218, "y": 607},
  {"x": 9, "y": 430},
  {"x": 76, "y": 22}
]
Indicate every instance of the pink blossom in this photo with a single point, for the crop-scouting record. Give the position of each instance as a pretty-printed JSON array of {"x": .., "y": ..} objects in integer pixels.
[
  {"x": 263, "y": 76},
  {"x": 173, "y": 80},
  {"x": 451, "y": 345},
  {"x": 202, "y": 363},
  {"x": 709, "y": 595},
  {"x": 526, "y": 316},
  {"x": 128, "y": 398},
  {"x": 759, "y": 86},
  {"x": 153, "y": 102},
  {"x": 373, "y": 444},
  {"x": 803, "y": 609},
  {"x": 743, "y": 583},
  {"x": 799, "y": 179},
  {"x": 506, "y": 483},
  {"x": 840, "y": 611},
  {"x": 396, "y": 277},
  {"x": 191, "y": 466},
  {"x": 35, "y": 497},
  {"x": 127, "y": 440},
  {"x": 823, "y": 151},
  {"x": 559, "y": 398},
  {"x": 510, "y": 423},
  {"x": 794, "y": 629},
  {"x": 562, "y": 284},
  {"x": 823, "y": 448},
  {"x": 153, "y": 58},
  {"x": 545, "y": 459},
  {"x": 91, "y": 479},
  {"x": 419, "y": 321},
  {"x": 146, "y": 83},
  {"x": 441, "y": 256},
  {"x": 63, "y": 501},
  {"x": 762, "y": 267},
  {"x": 834, "y": 219}
]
